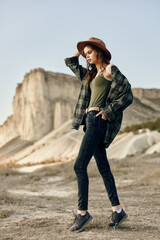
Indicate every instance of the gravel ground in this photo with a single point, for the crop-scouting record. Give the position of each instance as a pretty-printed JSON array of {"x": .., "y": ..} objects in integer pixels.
[{"x": 38, "y": 205}]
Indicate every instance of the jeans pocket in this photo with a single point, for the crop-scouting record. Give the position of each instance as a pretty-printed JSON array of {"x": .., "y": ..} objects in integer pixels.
[{"x": 91, "y": 120}]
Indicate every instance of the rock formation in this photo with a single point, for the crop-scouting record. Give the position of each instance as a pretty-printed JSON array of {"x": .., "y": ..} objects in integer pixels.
[
  {"x": 141, "y": 93},
  {"x": 36, "y": 100},
  {"x": 45, "y": 100}
]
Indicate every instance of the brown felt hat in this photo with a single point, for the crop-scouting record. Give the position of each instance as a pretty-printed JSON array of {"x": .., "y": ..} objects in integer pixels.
[{"x": 96, "y": 42}]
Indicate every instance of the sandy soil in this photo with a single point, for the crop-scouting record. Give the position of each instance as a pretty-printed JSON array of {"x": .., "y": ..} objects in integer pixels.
[{"x": 38, "y": 205}]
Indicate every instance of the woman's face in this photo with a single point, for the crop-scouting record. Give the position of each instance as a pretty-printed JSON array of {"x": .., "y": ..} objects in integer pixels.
[{"x": 91, "y": 55}]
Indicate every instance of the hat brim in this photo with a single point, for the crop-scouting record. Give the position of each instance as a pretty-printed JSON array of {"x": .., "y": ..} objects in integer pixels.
[{"x": 82, "y": 44}]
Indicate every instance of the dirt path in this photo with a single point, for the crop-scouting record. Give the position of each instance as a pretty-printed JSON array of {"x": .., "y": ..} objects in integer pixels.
[{"x": 38, "y": 205}]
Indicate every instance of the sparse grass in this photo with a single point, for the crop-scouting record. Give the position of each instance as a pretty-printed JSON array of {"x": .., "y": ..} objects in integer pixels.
[
  {"x": 152, "y": 125},
  {"x": 5, "y": 213},
  {"x": 29, "y": 164},
  {"x": 8, "y": 199}
]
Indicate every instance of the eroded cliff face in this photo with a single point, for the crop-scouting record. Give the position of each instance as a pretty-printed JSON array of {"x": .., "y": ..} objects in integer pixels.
[
  {"x": 37, "y": 99},
  {"x": 8, "y": 130},
  {"x": 141, "y": 93}
]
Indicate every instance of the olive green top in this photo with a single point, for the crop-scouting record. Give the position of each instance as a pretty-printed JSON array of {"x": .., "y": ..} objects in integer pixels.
[{"x": 100, "y": 87}]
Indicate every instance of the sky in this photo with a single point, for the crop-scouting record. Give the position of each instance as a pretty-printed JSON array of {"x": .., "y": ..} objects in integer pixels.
[{"x": 42, "y": 33}]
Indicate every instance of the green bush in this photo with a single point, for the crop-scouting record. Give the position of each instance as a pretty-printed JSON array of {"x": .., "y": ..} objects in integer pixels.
[{"x": 152, "y": 125}]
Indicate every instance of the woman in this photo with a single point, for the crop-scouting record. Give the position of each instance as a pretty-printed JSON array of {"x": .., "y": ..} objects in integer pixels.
[{"x": 105, "y": 93}]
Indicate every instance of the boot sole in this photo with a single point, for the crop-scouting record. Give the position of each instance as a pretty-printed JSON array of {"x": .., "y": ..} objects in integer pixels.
[{"x": 83, "y": 227}]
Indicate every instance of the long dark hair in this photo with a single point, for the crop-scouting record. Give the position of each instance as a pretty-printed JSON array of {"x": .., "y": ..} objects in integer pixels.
[{"x": 91, "y": 68}]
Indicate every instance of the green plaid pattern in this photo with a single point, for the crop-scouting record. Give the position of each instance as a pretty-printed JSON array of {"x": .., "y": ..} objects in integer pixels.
[{"x": 119, "y": 98}]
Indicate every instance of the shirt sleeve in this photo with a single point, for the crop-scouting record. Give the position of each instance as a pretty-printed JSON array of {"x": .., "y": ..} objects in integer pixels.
[{"x": 77, "y": 69}]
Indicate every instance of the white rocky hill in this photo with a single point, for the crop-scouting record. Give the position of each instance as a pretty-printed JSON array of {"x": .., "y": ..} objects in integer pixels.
[
  {"x": 40, "y": 128},
  {"x": 42, "y": 102}
]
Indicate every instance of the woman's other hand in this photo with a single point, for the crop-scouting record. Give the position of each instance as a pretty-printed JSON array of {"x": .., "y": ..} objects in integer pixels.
[{"x": 103, "y": 115}]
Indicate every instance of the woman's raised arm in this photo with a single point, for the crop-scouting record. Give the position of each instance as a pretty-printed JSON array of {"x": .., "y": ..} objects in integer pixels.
[
  {"x": 73, "y": 64},
  {"x": 76, "y": 54}
]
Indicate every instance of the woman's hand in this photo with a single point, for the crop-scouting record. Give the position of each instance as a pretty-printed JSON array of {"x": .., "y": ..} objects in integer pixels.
[{"x": 103, "y": 115}]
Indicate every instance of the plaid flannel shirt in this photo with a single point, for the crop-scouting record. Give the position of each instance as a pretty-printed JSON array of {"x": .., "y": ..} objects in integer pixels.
[{"x": 119, "y": 98}]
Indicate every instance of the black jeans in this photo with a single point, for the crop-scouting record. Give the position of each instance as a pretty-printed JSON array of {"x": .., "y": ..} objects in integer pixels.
[{"x": 90, "y": 146}]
